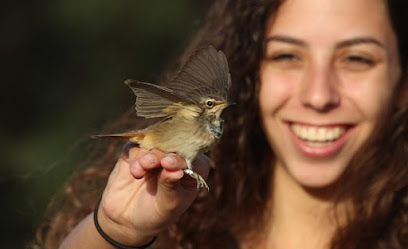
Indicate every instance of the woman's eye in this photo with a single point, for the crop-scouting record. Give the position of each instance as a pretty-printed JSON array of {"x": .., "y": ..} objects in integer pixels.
[
  {"x": 284, "y": 57},
  {"x": 359, "y": 59},
  {"x": 284, "y": 60},
  {"x": 357, "y": 62}
]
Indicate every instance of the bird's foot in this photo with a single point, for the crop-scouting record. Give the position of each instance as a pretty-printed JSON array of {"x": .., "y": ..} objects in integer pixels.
[{"x": 200, "y": 181}]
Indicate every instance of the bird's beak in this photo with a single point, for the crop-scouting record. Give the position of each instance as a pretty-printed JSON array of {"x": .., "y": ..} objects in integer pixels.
[{"x": 227, "y": 104}]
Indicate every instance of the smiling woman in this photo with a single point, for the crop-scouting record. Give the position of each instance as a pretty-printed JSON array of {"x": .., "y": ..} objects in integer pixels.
[
  {"x": 322, "y": 91},
  {"x": 314, "y": 155}
]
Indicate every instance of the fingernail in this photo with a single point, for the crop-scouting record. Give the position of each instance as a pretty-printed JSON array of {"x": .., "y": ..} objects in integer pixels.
[
  {"x": 135, "y": 164},
  {"x": 150, "y": 158},
  {"x": 170, "y": 160},
  {"x": 136, "y": 170}
]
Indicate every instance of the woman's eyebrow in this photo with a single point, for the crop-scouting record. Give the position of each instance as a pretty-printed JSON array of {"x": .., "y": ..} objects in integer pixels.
[
  {"x": 286, "y": 39},
  {"x": 342, "y": 44},
  {"x": 359, "y": 41}
]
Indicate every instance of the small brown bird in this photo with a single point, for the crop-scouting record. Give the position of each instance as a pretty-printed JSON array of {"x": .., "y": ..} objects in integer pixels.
[{"x": 190, "y": 104}]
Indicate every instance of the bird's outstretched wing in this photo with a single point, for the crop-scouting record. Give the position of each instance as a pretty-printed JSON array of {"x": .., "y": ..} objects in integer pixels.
[
  {"x": 153, "y": 101},
  {"x": 204, "y": 74}
]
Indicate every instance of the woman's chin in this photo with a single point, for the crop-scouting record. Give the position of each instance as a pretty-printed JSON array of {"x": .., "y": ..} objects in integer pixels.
[{"x": 316, "y": 176}]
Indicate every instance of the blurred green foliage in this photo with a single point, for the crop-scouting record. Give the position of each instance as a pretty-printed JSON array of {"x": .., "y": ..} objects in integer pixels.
[{"x": 63, "y": 63}]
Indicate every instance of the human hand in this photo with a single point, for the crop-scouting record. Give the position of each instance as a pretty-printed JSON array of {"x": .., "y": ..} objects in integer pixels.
[{"x": 146, "y": 191}]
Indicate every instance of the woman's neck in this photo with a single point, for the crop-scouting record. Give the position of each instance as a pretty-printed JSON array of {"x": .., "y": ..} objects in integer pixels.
[{"x": 300, "y": 217}]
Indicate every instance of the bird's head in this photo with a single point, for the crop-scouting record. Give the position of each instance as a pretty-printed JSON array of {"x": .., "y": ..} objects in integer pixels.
[
  {"x": 212, "y": 112},
  {"x": 214, "y": 107}
]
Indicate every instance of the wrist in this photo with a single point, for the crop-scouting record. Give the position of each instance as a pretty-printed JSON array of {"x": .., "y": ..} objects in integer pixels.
[{"x": 119, "y": 235}]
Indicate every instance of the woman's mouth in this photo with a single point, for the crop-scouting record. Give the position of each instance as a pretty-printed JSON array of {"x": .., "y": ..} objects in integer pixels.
[
  {"x": 319, "y": 141},
  {"x": 318, "y": 136}
]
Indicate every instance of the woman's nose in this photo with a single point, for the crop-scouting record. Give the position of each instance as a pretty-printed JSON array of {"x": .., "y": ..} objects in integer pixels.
[{"x": 319, "y": 89}]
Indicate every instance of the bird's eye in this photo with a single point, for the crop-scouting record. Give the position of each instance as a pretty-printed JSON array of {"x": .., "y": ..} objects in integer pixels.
[{"x": 210, "y": 103}]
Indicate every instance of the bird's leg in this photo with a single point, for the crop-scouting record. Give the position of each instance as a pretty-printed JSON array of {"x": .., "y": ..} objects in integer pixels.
[{"x": 200, "y": 181}]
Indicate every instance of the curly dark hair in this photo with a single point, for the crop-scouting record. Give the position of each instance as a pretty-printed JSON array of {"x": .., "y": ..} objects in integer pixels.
[{"x": 240, "y": 184}]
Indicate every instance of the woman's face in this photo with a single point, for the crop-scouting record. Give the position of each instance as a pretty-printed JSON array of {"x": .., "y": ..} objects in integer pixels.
[{"x": 329, "y": 74}]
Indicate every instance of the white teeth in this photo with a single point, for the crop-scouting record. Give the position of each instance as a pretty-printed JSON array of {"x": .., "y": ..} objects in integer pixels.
[{"x": 318, "y": 134}]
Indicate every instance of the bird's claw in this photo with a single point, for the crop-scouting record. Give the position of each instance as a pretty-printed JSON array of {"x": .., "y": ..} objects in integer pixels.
[{"x": 200, "y": 181}]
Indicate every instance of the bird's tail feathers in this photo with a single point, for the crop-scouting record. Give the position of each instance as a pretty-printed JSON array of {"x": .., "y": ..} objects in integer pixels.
[{"x": 127, "y": 136}]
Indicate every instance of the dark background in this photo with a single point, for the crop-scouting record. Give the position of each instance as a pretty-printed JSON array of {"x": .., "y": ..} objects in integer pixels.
[{"x": 63, "y": 63}]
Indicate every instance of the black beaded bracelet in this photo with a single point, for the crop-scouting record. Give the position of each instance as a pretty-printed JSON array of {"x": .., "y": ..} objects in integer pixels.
[{"x": 109, "y": 239}]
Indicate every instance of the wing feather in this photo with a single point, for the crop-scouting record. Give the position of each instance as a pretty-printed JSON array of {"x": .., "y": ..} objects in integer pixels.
[
  {"x": 205, "y": 73},
  {"x": 153, "y": 101}
]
